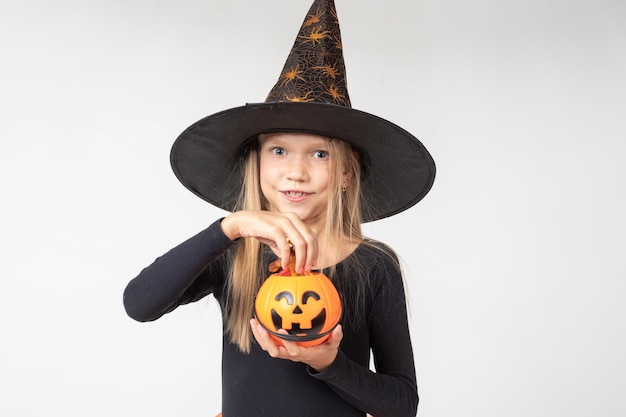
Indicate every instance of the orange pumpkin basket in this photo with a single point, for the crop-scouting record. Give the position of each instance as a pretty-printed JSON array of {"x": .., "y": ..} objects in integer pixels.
[{"x": 307, "y": 306}]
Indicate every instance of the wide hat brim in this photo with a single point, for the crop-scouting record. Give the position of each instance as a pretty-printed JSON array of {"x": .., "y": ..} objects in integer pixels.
[{"x": 399, "y": 171}]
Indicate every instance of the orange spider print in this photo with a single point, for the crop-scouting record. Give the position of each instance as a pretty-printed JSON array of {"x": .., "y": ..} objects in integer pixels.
[
  {"x": 316, "y": 35},
  {"x": 289, "y": 76},
  {"x": 334, "y": 93},
  {"x": 313, "y": 19},
  {"x": 338, "y": 44},
  {"x": 333, "y": 13},
  {"x": 300, "y": 99},
  {"x": 329, "y": 70}
]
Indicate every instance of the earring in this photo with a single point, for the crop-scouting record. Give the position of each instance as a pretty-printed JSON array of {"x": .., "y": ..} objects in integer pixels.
[{"x": 345, "y": 186}]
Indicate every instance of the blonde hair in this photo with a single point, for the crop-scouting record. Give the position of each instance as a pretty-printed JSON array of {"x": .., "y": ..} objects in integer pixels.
[{"x": 248, "y": 268}]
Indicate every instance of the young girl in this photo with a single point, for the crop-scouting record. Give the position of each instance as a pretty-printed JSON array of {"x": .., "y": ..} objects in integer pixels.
[{"x": 299, "y": 176}]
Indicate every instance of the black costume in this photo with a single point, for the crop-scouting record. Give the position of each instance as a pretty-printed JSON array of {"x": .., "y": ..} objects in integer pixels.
[{"x": 257, "y": 385}]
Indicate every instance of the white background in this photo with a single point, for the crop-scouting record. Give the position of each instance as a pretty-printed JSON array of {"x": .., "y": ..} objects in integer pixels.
[{"x": 514, "y": 261}]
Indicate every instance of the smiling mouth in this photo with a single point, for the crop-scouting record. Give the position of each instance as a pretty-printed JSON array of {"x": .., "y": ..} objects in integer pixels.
[
  {"x": 295, "y": 329},
  {"x": 295, "y": 194}
]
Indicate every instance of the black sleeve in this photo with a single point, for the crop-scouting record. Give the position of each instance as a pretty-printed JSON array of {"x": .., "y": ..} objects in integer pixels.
[
  {"x": 184, "y": 274},
  {"x": 392, "y": 389}
]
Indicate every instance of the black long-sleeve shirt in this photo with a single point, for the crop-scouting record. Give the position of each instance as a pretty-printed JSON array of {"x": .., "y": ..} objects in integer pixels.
[{"x": 257, "y": 385}]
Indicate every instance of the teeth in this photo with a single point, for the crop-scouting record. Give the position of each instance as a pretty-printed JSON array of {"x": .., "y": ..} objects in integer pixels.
[{"x": 292, "y": 194}]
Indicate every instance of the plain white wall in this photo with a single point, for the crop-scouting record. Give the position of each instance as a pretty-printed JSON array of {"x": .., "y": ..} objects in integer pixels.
[{"x": 514, "y": 260}]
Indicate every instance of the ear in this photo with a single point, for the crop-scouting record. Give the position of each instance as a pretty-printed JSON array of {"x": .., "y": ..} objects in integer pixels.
[{"x": 346, "y": 176}]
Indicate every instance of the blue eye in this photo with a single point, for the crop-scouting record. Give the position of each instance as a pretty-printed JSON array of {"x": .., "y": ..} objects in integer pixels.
[
  {"x": 277, "y": 151},
  {"x": 321, "y": 154}
]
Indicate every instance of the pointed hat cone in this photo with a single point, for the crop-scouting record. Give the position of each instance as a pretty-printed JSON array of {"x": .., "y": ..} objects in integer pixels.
[
  {"x": 311, "y": 96},
  {"x": 315, "y": 69}
]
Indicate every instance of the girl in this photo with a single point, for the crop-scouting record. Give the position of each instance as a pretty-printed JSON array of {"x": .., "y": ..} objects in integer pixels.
[{"x": 299, "y": 178}]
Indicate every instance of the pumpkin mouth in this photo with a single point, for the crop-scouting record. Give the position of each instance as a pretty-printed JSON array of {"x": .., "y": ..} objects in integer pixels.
[{"x": 296, "y": 328}]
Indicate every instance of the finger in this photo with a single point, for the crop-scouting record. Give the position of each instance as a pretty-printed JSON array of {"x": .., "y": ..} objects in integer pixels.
[
  {"x": 312, "y": 251},
  {"x": 299, "y": 252},
  {"x": 292, "y": 348},
  {"x": 305, "y": 248},
  {"x": 336, "y": 336},
  {"x": 286, "y": 253},
  {"x": 303, "y": 242},
  {"x": 262, "y": 336},
  {"x": 255, "y": 332}
]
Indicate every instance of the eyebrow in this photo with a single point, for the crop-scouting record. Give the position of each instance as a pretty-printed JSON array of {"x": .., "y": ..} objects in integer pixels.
[{"x": 320, "y": 144}]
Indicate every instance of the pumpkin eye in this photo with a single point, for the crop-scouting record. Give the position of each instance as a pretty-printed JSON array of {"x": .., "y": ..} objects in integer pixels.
[
  {"x": 309, "y": 294},
  {"x": 286, "y": 295}
]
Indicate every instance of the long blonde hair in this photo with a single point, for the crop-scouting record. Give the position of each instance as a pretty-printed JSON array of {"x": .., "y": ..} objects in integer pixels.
[{"x": 248, "y": 268}]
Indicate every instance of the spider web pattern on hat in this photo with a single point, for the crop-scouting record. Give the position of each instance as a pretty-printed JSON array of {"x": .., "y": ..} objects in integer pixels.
[{"x": 315, "y": 69}]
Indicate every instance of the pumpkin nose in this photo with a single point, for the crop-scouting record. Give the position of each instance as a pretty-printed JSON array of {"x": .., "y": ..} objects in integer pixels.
[{"x": 297, "y": 310}]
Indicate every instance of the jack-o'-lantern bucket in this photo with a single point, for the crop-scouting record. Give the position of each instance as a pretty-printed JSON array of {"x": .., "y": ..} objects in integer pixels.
[{"x": 307, "y": 306}]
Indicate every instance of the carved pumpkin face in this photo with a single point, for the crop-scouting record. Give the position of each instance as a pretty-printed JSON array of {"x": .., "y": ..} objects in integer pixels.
[{"x": 308, "y": 307}]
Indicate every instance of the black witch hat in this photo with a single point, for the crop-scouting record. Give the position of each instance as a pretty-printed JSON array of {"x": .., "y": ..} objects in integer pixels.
[{"x": 310, "y": 96}]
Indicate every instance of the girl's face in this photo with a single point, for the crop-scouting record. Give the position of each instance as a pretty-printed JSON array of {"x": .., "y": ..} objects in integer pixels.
[{"x": 295, "y": 174}]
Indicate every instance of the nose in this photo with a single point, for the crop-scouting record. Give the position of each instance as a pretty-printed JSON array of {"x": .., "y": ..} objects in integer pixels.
[{"x": 297, "y": 169}]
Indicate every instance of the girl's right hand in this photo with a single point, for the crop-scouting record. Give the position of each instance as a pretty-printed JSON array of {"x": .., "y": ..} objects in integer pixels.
[{"x": 283, "y": 232}]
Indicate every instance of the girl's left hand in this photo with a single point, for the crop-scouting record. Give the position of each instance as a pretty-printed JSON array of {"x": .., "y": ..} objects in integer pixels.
[{"x": 317, "y": 357}]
